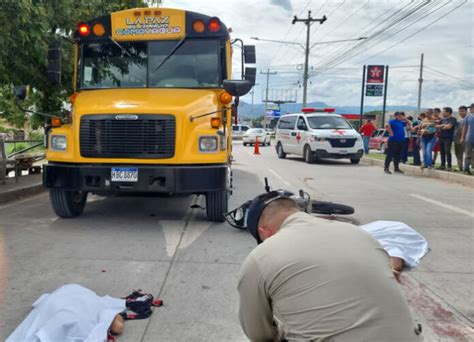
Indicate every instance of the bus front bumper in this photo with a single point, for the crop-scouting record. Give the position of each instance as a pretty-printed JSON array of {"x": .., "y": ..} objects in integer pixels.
[{"x": 165, "y": 179}]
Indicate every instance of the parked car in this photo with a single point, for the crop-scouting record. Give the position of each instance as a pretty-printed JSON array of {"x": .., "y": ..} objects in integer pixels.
[
  {"x": 252, "y": 134},
  {"x": 239, "y": 130},
  {"x": 379, "y": 141},
  {"x": 317, "y": 135}
]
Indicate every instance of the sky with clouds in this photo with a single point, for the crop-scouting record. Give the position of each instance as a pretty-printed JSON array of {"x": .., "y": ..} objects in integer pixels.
[{"x": 398, "y": 32}]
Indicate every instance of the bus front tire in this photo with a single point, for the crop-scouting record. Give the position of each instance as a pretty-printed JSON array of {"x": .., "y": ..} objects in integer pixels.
[
  {"x": 67, "y": 204},
  {"x": 217, "y": 205}
]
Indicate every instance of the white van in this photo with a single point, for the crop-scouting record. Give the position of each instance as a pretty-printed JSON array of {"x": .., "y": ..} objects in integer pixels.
[
  {"x": 318, "y": 135},
  {"x": 239, "y": 130}
]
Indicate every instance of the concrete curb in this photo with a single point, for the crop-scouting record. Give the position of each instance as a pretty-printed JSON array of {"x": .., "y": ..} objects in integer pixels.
[
  {"x": 16, "y": 194},
  {"x": 436, "y": 174}
]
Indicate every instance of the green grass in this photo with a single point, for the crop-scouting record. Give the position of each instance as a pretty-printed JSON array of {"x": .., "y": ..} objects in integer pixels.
[{"x": 380, "y": 156}]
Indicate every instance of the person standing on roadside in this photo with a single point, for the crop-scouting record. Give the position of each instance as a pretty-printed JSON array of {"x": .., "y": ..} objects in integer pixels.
[
  {"x": 367, "y": 129},
  {"x": 427, "y": 132},
  {"x": 396, "y": 129},
  {"x": 437, "y": 119},
  {"x": 415, "y": 136},
  {"x": 406, "y": 143},
  {"x": 467, "y": 138},
  {"x": 446, "y": 134},
  {"x": 458, "y": 146}
]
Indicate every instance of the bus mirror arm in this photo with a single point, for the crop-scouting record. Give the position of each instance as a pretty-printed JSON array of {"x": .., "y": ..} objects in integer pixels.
[
  {"x": 21, "y": 93},
  {"x": 194, "y": 117}
]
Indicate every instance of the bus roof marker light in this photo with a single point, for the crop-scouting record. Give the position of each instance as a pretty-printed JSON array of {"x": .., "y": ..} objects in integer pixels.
[
  {"x": 137, "y": 13},
  {"x": 199, "y": 26},
  {"x": 214, "y": 25},
  {"x": 147, "y": 12},
  {"x": 84, "y": 29},
  {"x": 98, "y": 29}
]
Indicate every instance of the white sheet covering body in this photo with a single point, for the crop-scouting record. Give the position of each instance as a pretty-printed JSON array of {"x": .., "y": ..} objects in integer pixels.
[
  {"x": 72, "y": 313},
  {"x": 399, "y": 240}
]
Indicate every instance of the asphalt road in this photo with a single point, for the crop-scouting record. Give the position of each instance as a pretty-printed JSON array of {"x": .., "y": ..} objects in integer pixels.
[{"x": 166, "y": 247}]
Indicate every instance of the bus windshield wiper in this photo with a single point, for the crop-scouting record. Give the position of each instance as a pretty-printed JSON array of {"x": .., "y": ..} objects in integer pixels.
[
  {"x": 176, "y": 47},
  {"x": 120, "y": 46}
]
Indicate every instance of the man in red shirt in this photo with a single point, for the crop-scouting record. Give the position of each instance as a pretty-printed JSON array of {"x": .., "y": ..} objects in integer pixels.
[{"x": 367, "y": 129}]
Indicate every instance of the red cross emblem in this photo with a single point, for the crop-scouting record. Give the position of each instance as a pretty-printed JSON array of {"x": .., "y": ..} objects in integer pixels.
[
  {"x": 338, "y": 131},
  {"x": 298, "y": 137}
]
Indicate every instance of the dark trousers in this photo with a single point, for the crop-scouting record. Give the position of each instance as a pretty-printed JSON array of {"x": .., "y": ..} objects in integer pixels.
[
  {"x": 394, "y": 151},
  {"x": 416, "y": 151},
  {"x": 404, "y": 155},
  {"x": 445, "y": 150}
]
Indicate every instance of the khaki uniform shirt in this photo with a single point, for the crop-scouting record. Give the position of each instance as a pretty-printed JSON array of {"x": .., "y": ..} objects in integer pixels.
[{"x": 321, "y": 280}]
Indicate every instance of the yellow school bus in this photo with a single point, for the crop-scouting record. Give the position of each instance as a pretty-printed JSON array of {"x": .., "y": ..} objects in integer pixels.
[{"x": 151, "y": 112}]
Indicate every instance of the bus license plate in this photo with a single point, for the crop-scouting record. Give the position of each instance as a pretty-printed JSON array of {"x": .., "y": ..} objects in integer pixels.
[
  {"x": 342, "y": 151},
  {"x": 122, "y": 174}
]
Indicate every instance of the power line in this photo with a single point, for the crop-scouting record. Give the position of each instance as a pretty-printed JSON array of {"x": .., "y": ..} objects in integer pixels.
[
  {"x": 370, "y": 26},
  {"x": 377, "y": 37},
  {"x": 392, "y": 46}
]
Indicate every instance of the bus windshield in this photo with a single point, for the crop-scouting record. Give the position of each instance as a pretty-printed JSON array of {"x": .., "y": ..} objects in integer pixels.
[{"x": 196, "y": 64}]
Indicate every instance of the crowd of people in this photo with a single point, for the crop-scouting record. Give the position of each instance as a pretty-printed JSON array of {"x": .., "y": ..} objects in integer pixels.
[{"x": 432, "y": 134}]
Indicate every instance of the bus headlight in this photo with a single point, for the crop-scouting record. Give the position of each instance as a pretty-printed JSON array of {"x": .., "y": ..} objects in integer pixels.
[
  {"x": 58, "y": 143},
  {"x": 208, "y": 144}
]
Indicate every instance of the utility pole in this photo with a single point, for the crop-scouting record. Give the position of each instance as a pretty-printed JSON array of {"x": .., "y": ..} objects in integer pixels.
[
  {"x": 307, "y": 21},
  {"x": 268, "y": 73},
  {"x": 420, "y": 83}
]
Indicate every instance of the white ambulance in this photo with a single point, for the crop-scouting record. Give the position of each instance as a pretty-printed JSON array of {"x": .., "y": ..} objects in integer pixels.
[{"x": 318, "y": 133}]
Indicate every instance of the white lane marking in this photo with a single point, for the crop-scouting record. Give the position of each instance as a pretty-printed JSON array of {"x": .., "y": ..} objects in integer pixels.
[
  {"x": 279, "y": 177},
  {"x": 444, "y": 205},
  {"x": 193, "y": 231},
  {"x": 172, "y": 231}
]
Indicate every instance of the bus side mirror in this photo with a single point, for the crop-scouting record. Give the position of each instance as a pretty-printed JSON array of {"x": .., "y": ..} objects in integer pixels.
[
  {"x": 54, "y": 62},
  {"x": 249, "y": 54},
  {"x": 237, "y": 88},
  {"x": 251, "y": 75},
  {"x": 21, "y": 92}
]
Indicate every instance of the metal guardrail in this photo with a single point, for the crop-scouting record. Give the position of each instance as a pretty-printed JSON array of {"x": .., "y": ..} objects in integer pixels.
[
  {"x": 36, "y": 144},
  {"x": 15, "y": 161}
]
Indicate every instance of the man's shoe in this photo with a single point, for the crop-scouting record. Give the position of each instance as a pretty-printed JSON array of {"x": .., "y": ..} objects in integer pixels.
[
  {"x": 387, "y": 171},
  {"x": 449, "y": 169},
  {"x": 399, "y": 171},
  {"x": 467, "y": 172}
]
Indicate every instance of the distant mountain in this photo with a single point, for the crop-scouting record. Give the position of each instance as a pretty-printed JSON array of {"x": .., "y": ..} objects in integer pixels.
[{"x": 245, "y": 109}]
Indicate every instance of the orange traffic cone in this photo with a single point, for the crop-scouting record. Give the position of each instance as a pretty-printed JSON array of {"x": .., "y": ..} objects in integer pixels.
[{"x": 256, "y": 150}]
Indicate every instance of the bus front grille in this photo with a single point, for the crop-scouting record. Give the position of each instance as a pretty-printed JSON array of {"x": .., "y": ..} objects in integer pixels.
[{"x": 146, "y": 136}]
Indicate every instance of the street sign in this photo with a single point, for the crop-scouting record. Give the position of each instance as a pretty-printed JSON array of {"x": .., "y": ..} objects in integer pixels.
[
  {"x": 374, "y": 90},
  {"x": 273, "y": 113},
  {"x": 375, "y": 74}
]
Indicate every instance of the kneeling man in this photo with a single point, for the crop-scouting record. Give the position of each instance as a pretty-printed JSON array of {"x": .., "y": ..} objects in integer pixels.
[{"x": 317, "y": 280}]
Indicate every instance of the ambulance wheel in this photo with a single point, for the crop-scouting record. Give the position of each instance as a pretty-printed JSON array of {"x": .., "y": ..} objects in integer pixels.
[
  {"x": 355, "y": 160},
  {"x": 308, "y": 155},
  {"x": 281, "y": 154},
  {"x": 217, "y": 205},
  {"x": 67, "y": 204}
]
